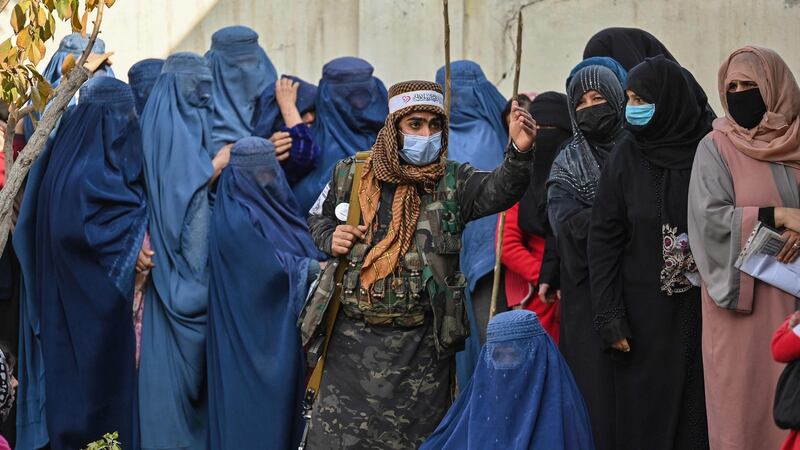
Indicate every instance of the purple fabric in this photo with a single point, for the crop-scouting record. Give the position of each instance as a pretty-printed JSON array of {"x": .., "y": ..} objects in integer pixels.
[{"x": 303, "y": 154}]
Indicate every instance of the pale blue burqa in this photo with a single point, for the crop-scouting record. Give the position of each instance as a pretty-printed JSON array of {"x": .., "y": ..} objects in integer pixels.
[{"x": 175, "y": 133}]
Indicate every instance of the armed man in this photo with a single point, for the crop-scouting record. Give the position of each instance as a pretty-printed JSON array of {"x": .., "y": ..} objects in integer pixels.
[{"x": 392, "y": 220}]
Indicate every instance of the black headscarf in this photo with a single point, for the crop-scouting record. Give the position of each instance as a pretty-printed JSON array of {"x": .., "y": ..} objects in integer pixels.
[
  {"x": 670, "y": 139},
  {"x": 577, "y": 168},
  {"x": 629, "y": 46},
  {"x": 668, "y": 144},
  {"x": 550, "y": 110}
]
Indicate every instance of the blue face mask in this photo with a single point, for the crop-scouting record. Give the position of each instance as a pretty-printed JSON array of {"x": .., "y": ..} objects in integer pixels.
[
  {"x": 640, "y": 114},
  {"x": 421, "y": 150}
]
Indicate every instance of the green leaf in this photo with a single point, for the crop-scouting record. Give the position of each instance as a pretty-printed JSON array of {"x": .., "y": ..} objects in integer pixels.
[
  {"x": 64, "y": 9},
  {"x": 17, "y": 19},
  {"x": 68, "y": 64},
  {"x": 5, "y": 48},
  {"x": 74, "y": 19},
  {"x": 24, "y": 39},
  {"x": 34, "y": 53},
  {"x": 36, "y": 98},
  {"x": 41, "y": 17}
]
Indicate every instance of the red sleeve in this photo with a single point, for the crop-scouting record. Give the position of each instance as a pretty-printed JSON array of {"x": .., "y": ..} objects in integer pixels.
[
  {"x": 516, "y": 256},
  {"x": 785, "y": 344},
  {"x": 18, "y": 144}
]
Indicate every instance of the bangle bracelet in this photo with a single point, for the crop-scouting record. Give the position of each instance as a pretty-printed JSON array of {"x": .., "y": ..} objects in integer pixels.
[{"x": 514, "y": 146}]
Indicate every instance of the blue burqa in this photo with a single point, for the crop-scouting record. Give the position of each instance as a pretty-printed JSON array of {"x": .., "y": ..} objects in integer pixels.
[
  {"x": 351, "y": 107},
  {"x": 260, "y": 252},
  {"x": 90, "y": 224},
  {"x": 267, "y": 118},
  {"x": 142, "y": 76},
  {"x": 72, "y": 44},
  {"x": 172, "y": 371},
  {"x": 521, "y": 397},
  {"x": 241, "y": 71},
  {"x": 477, "y": 136},
  {"x": 31, "y": 420}
]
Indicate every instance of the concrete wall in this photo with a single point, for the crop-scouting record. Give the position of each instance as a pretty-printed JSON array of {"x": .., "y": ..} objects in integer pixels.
[{"x": 403, "y": 38}]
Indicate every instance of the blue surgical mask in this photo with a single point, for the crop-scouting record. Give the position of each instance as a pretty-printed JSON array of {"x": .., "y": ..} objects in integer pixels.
[
  {"x": 640, "y": 115},
  {"x": 421, "y": 150}
]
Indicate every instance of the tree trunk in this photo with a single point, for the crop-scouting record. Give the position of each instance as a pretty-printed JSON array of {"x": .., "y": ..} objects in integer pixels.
[{"x": 62, "y": 96}]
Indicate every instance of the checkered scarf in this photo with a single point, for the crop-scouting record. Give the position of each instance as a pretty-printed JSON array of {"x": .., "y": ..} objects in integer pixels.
[{"x": 383, "y": 165}]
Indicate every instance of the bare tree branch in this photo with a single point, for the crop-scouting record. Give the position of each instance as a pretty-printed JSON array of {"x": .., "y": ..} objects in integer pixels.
[
  {"x": 8, "y": 139},
  {"x": 518, "y": 59},
  {"x": 95, "y": 31},
  {"x": 70, "y": 84},
  {"x": 501, "y": 226},
  {"x": 447, "y": 93},
  {"x": 3, "y": 4},
  {"x": 27, "y": 109}
]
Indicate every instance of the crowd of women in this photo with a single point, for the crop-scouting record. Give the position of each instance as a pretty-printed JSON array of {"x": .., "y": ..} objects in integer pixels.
[{"x": 161, "y": 255}]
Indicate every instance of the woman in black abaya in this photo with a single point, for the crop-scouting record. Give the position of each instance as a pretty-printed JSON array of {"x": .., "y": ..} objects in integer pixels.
[{"x": 642, "y": 271}]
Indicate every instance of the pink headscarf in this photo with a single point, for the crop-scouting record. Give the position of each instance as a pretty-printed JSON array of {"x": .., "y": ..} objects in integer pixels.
[{"x": 777, "y": 137}]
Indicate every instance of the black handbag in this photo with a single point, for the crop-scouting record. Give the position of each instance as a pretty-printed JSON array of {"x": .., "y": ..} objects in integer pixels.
[{"x": 786, "y": 409}]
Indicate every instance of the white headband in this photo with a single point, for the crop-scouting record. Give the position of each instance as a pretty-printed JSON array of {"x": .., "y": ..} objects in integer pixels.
[{"x": 400, "y": 101}]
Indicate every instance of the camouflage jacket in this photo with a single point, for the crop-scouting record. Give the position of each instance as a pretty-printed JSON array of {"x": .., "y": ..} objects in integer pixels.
[{"x": 428, "y": 277}]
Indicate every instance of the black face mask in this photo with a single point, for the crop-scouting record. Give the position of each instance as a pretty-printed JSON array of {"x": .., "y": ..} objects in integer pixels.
[
  {"x": 597, "y": 122},
  {"x": 747, "y": 108}
]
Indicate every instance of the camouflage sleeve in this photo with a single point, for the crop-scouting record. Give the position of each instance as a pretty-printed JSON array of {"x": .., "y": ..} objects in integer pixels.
[
  {"x": 484, "y": 193},
  {"x": 322, "y": 219}
]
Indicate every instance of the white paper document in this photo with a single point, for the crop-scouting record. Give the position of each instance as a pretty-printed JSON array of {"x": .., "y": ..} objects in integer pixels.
[{"x": 758, "y": 260}]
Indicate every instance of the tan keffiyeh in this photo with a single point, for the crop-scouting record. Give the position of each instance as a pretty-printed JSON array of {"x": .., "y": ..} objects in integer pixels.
[{"x": 383, "y": 165}]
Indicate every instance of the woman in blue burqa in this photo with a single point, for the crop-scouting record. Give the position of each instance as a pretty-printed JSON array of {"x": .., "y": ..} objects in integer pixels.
[
  {"x": 72, "y": 44},
  {"x": 284, "y": 115},
  {"x": 241, "y": 71},
  {"x": 477, "y": 136},
  {"x": 351, "y": 108},
  {"x": 262, "y": 257},
  {"x": 81, "y": 230},
  {"x": 142, "y": 77},
  {"x": 178, "y": 169},
  {"x": 522, "y": 395}
]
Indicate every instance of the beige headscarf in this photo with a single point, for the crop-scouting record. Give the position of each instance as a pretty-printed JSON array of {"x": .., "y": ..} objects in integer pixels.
[
  {"x": 777, "y": 137},
  {"x": 383, "y": 165}
]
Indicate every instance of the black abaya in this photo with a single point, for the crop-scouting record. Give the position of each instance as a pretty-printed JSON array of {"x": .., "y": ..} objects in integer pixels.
[{"x": 659, "y": 396}]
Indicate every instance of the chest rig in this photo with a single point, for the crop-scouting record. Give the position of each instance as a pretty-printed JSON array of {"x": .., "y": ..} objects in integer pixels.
[{"x": 427, "y": 280}]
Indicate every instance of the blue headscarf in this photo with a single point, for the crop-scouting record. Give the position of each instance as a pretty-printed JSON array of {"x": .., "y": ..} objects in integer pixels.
[
  {"x": 522, "y": 395},
  {"x": 477, "y": 136},
  {"x": 90, "y": 224},
  {"x": 352, "y": 106},
  {"x": 260, "y": 253},
  {"x": 605, "y": 61},
  {"x": 267, "y": 118},
  {"x": 142, "y": 76},
  {"x": 241, "y": 71},
  {"x": 176, "y": 136},
  {"x": 73, "y": 44}
]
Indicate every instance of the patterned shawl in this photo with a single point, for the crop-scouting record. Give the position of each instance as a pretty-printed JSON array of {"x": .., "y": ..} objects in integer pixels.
[{"x": 384, "y": 165}]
